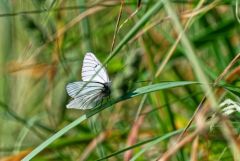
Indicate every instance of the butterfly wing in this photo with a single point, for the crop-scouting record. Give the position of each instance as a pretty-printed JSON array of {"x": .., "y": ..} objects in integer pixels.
[
  {"x": 86, "y": 95},
  {"x": 77, "y": 89},
  {"x": 93, "y": 70},
  {"x": 86, "y": 101}
]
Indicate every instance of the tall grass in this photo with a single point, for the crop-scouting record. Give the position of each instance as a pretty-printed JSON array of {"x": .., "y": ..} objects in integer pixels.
[{"x": 172, "y": 64}]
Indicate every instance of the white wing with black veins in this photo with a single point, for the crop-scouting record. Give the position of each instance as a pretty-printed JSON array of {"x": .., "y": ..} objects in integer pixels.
[{"x": 93, "y": 70}]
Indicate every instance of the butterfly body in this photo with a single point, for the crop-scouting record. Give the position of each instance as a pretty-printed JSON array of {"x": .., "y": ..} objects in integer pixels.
[
  {"x": 93, "y": 88},
  {"x": 106, "y": 90}
]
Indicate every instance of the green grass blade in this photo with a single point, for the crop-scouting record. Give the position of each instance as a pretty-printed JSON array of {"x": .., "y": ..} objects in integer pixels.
[
  {"x": 233, "y": 89},
  {"x": 54, "y": 137},
  {"x": 190, "y": 53},
  {"x": 150, "y": 143},
  {"x": 156, "y": 141},
  {"x": 137, "y": 92},
  {"x": 135, "y": 29}
]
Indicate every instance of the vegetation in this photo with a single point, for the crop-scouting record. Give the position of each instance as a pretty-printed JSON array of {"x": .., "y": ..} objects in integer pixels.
[{"x": 173, "y": 65}]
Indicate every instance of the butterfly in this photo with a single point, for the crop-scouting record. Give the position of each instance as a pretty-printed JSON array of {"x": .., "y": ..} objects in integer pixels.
[{"x": 94, "y": 87}]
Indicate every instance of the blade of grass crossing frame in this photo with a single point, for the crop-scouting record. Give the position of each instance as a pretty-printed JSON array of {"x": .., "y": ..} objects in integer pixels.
[
  {"x": 154, "y": 142},
  {"x": 137, "y": 92},
  {"x": 149, "y": 142}
]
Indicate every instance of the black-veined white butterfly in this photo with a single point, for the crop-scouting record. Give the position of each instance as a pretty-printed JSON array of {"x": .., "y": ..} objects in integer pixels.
[{"x": 93, "y": 88}]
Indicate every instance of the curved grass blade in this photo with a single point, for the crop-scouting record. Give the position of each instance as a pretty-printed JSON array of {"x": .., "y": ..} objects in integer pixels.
[
  {"x": 150, "y": 143},
  {"x": 156, "y": 141},
  {"x": 137, "y": 92}
]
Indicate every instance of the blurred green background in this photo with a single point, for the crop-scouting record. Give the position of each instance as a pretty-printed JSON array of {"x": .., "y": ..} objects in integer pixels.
[{"x": 42, "y": 45}]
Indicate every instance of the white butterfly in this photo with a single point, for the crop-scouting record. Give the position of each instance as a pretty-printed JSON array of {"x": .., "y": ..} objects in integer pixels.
[{"x": 93, "y": 89}]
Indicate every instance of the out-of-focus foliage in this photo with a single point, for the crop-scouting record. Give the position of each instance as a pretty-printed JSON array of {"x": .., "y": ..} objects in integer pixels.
[{"x": 42, "y": 46}]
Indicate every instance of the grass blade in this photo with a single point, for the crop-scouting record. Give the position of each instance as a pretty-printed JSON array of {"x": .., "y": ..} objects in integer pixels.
[{"x": 137, "y": 92}]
